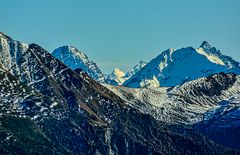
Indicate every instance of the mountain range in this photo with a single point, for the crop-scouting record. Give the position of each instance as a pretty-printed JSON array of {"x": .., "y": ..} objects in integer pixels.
[
  {"x": 76, "y": 59},
  {"x": 174, "y": 67},
  {"x": 61, "y": 103},
  {"x": 170, "y": 68}
]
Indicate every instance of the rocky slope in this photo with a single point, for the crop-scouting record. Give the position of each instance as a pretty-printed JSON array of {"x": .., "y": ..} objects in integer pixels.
[
  {"x": 210, "y": 105},
  {"x": 66, "y": 112}
]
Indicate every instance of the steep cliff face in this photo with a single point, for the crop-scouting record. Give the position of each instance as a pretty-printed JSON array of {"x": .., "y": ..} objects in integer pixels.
[{"x": 11, "y": 53}]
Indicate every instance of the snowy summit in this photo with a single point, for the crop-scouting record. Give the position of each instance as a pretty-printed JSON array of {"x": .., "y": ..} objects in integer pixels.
[
  {"x": 118, "y": 77},
  {"x": 76, "y": 59},
  {"x": 174, "y": 67}
]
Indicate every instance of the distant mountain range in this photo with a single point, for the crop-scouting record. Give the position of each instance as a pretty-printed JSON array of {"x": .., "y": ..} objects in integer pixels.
[
  {"x": 76, "y": 59},
  {"x": 51, "y": 105},
  {"x": 118, "y": 77},
  {"x": 172, "y": 67}
]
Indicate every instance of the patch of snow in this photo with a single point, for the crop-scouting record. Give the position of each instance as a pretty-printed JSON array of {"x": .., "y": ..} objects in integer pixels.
[{"x": 53, "y": 104}]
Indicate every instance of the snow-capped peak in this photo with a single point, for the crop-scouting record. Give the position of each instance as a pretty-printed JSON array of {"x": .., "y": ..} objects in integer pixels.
[
  {"x": 118, "y": 73},
  {"x": 216, "y": 56},
  {"x": 205, "y": 45},
  {"x": 68, "y": 51},
  {"x": 209, "y": 49},
  {"x": 76, "y": 59},
  {"x": 210, "y": 52},
  {"x": 118, "y": 77},
  {"x": 173, "y": 67}
]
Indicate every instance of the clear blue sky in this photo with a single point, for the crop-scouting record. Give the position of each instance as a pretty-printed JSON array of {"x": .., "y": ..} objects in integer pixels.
[{"x": 121, "y": 33}]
